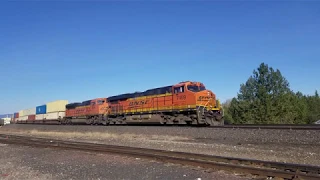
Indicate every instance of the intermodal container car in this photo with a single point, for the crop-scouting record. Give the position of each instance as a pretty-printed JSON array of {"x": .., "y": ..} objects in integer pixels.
[
  {"x": 54, "y": 115},
  {"x": 41, "y": 109},
  {"x": 39, "y": 117},
  {"x": 31, "y": 117},
  {"x": 57, "y": 106}
]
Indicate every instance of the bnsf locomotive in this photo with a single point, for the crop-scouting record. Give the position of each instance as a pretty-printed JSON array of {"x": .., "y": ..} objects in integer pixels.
[{"x": 184, "y": 103}]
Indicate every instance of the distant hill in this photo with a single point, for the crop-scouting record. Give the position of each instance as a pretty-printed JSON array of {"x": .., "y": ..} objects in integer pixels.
[{"x": 5, "y": 115}]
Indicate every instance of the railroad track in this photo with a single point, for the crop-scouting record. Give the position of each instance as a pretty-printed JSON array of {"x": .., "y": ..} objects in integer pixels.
[
  {"x": 228, "y": 126},
  {"x": 270, "y": 126},
  {"x": 245, "y": 166}
]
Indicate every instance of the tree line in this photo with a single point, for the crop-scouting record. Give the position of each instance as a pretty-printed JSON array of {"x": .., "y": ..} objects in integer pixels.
[{"x": 266, "y": 98}]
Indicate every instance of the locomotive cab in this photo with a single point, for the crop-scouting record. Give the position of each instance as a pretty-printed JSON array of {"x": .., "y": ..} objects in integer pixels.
[{"x": 194, "y": 95}]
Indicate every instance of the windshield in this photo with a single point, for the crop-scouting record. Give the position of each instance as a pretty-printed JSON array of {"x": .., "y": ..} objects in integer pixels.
[
  {"x": 202, "y": 88},
  {"x": 195, "y": 88}
]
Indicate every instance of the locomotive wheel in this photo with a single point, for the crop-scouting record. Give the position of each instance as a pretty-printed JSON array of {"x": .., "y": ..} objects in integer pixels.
[
  {"x": 89, "y": 121},
  {"x": 163, "y": 120},
  {"x": 96, "y": 121},
  {"x": 105, "y": 123},
  {"x": 68, "y": 121},
  {"x": 209, "y": 121}
]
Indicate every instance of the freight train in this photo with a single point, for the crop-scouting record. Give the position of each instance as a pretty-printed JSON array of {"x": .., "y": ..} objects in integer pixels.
[{"x": 187, "y": 102}]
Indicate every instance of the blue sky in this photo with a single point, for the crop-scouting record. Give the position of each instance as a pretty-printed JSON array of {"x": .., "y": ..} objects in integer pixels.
[{"x": 83, "y": 50}]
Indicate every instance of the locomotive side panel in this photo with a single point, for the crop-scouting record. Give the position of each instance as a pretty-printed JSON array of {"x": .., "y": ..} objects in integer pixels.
[
  {"x": 80, "y": 111},
  {"x": 144, "y": 104}
]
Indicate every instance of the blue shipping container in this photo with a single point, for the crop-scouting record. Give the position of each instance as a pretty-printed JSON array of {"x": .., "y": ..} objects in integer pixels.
[
  {"x": 41, "y": 109},
  {"x": 16, "y": 115}
]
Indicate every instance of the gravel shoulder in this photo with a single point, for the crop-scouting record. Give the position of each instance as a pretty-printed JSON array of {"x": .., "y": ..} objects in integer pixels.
[
  {"x": 293, "y": 146},
  {"x": 26, "y": 163}
]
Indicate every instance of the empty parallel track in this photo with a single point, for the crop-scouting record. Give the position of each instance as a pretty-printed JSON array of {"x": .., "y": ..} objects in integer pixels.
[{"x": 245, "y": 166}]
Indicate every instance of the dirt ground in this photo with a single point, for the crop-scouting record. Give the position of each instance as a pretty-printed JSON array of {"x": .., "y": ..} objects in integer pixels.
[
  {"x": 293, "y": 146},
  {"x": 27, "y": 163}
]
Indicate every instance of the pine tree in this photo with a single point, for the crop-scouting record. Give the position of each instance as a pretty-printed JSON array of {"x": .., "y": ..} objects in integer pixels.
[
  {"x": 265, "y": 98},
  {"x": 227, "y": 115},
  {"x": 313, "y": 104}
]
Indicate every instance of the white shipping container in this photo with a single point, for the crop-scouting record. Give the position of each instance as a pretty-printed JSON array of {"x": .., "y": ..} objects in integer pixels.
[
  {"x": 4, "y": 121},
  {"x": 28, "y": 112},
  {"x": 57, "y": 106},
  {"x": 23, "y": 118},
  {"x": 39, "y": 117},
  {"x": 54, "y": 115}
]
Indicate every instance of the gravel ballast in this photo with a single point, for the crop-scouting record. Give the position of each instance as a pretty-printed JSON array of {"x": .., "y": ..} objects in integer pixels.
[
  {"x": 18, "y": 162},
  {"x": 293, "y": 146}
]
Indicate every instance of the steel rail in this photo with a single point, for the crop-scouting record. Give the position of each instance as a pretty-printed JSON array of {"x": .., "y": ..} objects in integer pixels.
[
  {"x": 256, "y": 167},
  {"x": 271, "y": 126},
  {"x": 228, "y": 126}
]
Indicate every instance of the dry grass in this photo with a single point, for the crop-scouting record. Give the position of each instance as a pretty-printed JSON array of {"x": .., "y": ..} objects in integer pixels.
[{"x": 99, "y": 135}]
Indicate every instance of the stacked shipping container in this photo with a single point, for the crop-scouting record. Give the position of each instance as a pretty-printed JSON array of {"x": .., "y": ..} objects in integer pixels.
[
  {"x": 26, "y": 114},
  {"x": 57, "y": 106},
  {"x": 41, "y": 110},
  {"x": 56, "y": 109},
  {"x": 15, "y": 116},
  {"x": 31, "y": 117},
  {"x": 50, "y": 111},
  {"x": 23, "y": 118}
]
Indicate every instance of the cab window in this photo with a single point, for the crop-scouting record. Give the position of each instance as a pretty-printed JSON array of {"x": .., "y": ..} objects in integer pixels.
[
  {"x": 100, "y": 102},
  {"x": 179, "y": 89},
  {"x": 202, "y": 88},
  {"x": 193, "y": 88}
]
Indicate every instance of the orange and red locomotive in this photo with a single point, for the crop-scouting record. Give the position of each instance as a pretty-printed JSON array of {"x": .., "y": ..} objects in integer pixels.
[{"x": 184, "y": 103}]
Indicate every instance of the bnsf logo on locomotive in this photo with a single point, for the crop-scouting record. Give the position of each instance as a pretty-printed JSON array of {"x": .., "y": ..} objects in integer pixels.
[
  {"x": 203, "y": 98},
  {"x": 138, "y": 103},
  {"x": 79, "y": 110},
  {"x": 104, "y": 108}
]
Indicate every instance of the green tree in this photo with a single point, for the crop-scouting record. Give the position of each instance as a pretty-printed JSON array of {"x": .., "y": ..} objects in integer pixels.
[
  {"x": 266, "y": 98},
  {"x": 239, "y": 112},
  {"x": 227, "y": 116},
  {"x": 313, "y": 106}
]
